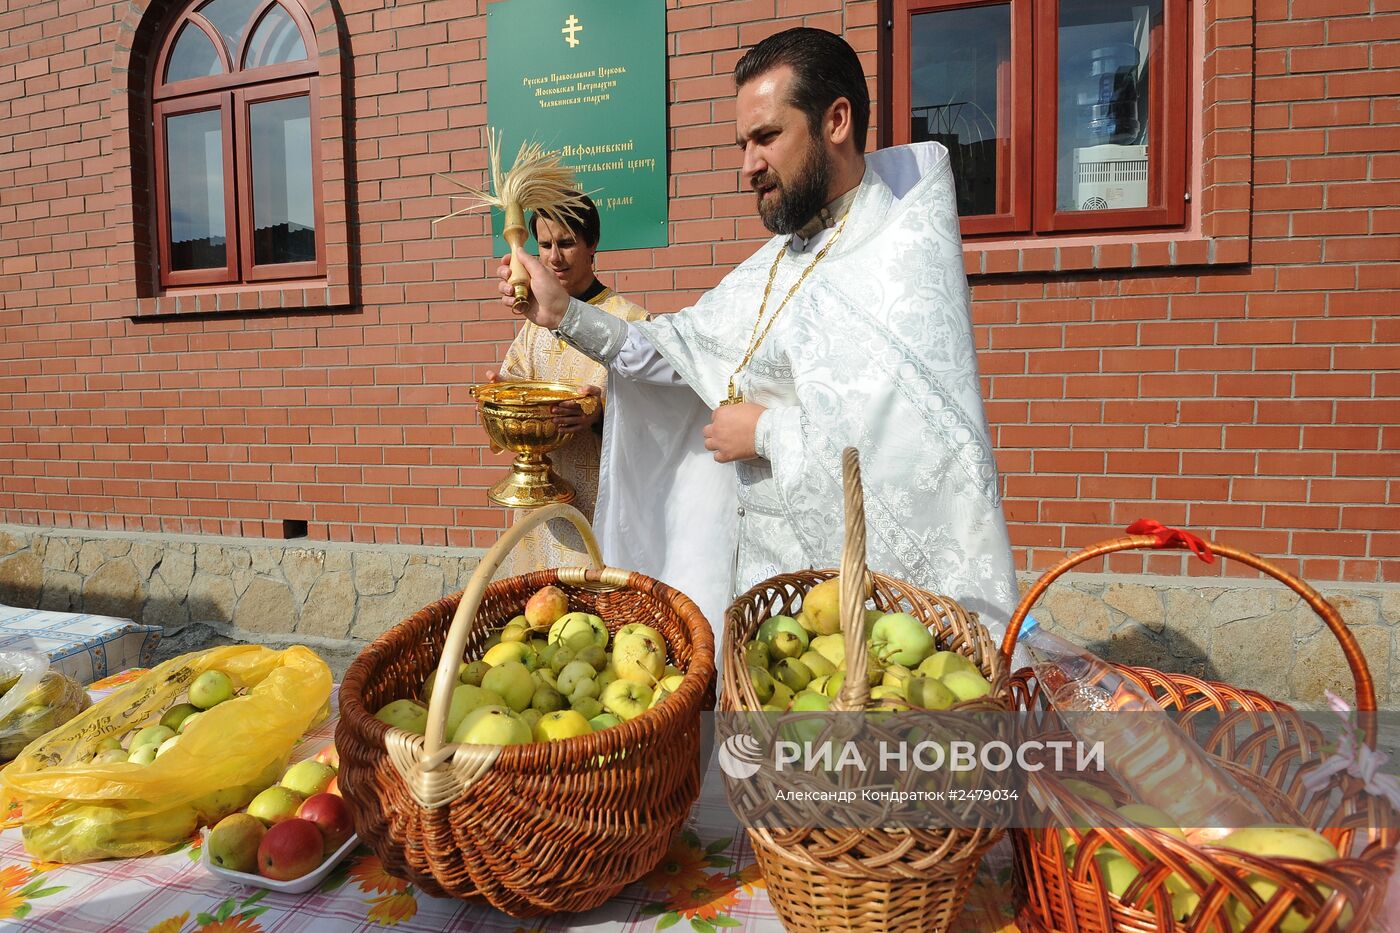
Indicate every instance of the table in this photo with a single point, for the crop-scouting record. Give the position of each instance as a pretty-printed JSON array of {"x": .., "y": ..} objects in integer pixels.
[
  {"x": 85, "y": 647},
  {"x": 707, "y": 883}
]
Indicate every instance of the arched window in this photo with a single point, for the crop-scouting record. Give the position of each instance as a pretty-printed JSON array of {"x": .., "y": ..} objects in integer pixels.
[{"x": 237, "y": 145}]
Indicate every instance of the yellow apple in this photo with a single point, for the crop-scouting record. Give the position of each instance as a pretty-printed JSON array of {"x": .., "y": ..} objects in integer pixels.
[
  {"x": 408, "y": 715},
  {"x": 626, "y": 699},
  {"x": 640, "y": 657},
  {"x": 564, "y": 724},
  {"x": 493, "y": 725},
  {"x": 512, "y": 682}
]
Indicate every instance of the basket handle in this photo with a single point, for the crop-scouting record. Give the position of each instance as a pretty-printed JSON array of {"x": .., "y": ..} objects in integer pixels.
[
  {"x": 1360, "y": 672},
  {"x": 855, "y": 689},
  {"x": 441, "y": 702}
]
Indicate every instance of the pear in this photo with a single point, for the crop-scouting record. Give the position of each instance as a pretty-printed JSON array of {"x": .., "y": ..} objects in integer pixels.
[
  {"x": 817, "y": 663},
  {"x": 1291, "y": 842},
  {"x": 792, "y": 672},
  {"x": 756, "y": 654},
  {"x": 782, "y": 695},
  {"x": 822, "y": 606},
  {"x": 777, "y": 624},
  {"x": 831, "y": 647},
  {"x": 941, "y": 663},
  {"x": 966, "y": 685},
  {"x": 928, "y": 693}
]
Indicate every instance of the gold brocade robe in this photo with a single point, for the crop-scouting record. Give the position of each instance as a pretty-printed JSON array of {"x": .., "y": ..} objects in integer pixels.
[{"x": 538, "y": 354}]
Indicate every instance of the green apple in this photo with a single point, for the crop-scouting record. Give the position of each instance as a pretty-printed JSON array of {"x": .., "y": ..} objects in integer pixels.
[
  {"x": 777, "y": 624},
  {"x": 585, "y": 688},
  {"x": 511, "y": 681},
  {"x": 548, "y": 700},
  {"x": 574, "y": 673},
  {"x": 604, "y": 721},
  {"x": 176, "y": 715},
  {"x": 637, "y": 628},
  {"x": 493, "y": 725},
  {"x": 563, "y": 724},
  {"x": 151, "y": 735},
  {"x": 167, "y": 745},
  {"x": 928, "y": 693},
  {"x": 756, "y": 654},
  {"x": 142, "y": 754},
  {"x": 275, "y": 804},
  {"x": 210, "y": 689},
  {"x": 466, "y": 698},
  {"x": 511, "y": 652},
  {"x": 578, "y": 630},
  {"x": 640, "y": 657},
  {"x": 821, "y": 607},
  {"x": 308, "y": 777},
  {"x": 793, "y": 673},
  {"x": 472, "y": 672},
  {"x": 967, "y": 685},
  {"x": 831, "y": 647},
  {"x": 941, "y": 663},
  {"x": 408, "y": 715},
  {"x": 817, "y": 663},
  {"x": 587, "y": 707},
  {"x": 901, "y": 638},
  {"x": 626, "y": 699},
  {"x": 187, "y": 722},
  {"x": 786, "y": 645}
]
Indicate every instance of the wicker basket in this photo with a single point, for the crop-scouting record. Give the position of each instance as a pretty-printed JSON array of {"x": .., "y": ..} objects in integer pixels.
[
  {"x": 1263, "y": 744},
  {"x": 844, "y": 879},
  {"x": 527, "y": 829}
]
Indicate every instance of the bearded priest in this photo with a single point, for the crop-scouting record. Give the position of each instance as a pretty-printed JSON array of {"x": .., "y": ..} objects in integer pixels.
[{"x": 851, "y": 327}]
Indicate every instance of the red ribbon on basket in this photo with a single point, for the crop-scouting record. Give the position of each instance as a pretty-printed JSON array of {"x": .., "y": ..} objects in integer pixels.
[{"x": 1172, "y": 537}]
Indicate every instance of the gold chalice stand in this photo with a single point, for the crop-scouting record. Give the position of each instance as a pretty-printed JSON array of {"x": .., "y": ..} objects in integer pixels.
[{"x": 518, "y": 417}]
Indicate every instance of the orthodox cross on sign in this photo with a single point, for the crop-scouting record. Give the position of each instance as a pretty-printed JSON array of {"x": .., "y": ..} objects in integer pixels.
[{"x": 571, "y": 30}]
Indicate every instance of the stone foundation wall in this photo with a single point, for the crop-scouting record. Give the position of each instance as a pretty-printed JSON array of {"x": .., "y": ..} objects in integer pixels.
[{"x": 337, "y": 597}]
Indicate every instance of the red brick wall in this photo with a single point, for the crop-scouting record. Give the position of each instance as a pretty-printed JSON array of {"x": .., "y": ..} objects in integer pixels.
[{"x": 1254, "y": 400}]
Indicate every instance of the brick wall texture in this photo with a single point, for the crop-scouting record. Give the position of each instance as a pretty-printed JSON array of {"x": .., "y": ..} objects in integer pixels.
[{"x": 1254, "y": 401}]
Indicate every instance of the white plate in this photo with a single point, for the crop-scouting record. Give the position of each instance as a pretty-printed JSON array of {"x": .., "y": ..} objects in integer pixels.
[{"x": 296, "y": 886}]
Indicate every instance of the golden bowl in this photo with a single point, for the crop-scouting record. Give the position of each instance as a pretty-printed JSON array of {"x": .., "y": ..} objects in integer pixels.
[{"x": 518, "y": 417}]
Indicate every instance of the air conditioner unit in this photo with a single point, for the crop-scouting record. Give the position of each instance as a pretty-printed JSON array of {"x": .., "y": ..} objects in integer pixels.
[{"x": 1110, "y": 176}]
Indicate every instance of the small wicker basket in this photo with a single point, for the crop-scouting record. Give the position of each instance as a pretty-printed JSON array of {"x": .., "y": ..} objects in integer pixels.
[
  {"x": 861, "y": 879},
  {"x": 527, "y": 829},
  {"x": 1263, "y": 744}
]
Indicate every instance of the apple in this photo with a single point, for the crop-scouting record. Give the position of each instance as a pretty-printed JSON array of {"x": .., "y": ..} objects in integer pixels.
[
  {"x": 756, "y": 654},
  {"x": 511, "y": 681},
  {"x": 777, "y": 624},
  {"x": 408, "y": 715},
  {"x": 578, "y": 630},
  {"x": 177, "y": 714},
  {"x": 290, "y": 849},
  {"x": 331, "y": 814},
  {"x": 187, "y": 722},
  {"x": 626, "y": 699},
  {"x": 564, "y": 724},
  {"x": 151, "y": 735},
  {"x": 167, "y": 745},
  {"x": 142, "y": 754},
  {"x": 233, "y": 842},
  {"x": 574, "y": 673},
  {"x": 817, "y": 663},
  {"x": 928, "y": 693},
  {"x": 588, "y": 687},
  {"x": 793, "y": 673},
  {"x": 831, "y": 647},
  {"x": 672, "y": 682},
  {"x": 545, "y": 606},
  {"x": 308, "y": 777},
  {"x": 493, "y": 725},
  {"x": 636, "y": 628},
  {"x": 967, "y": 685},
  {"x": 893, "y": 698},
  {"x": 941, "y": 663},
  {"x": 334, "y": 787},
  {"x": 507, "y": 652},
  {"x": 327, "y": 755},
  {"x": 587, "y": 707},
  {"x": 275, "y": 804},
  {"x": 472, "y": 673},
  {"x": 108, "y": 756},
  {"x": 604, "y": 721},
  {"x": 822, "y": 606},
  {"x": 901, "y": 638},
  {"x": 210, "y": 689},
  {"x": 466, "y": 698},
  {"x": 640, "y": 657}
]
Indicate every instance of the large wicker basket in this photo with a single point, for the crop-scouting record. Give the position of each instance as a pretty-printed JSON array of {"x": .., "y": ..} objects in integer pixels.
[
  {"x": 1263, "y": 744},
  {"x": 822, "y": 880},
  {"x": 527, "y": 829}
]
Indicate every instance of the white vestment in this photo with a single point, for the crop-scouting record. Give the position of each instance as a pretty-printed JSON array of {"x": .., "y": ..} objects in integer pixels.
[{"x": 874, "y": 350}]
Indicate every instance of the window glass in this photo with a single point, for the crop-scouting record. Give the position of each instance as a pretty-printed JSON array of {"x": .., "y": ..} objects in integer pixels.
[
  {"x": 230, "y": 18},
  {"x": 960, "y": 97},
  {"x": 194, "y": 56},
  {"x": 284, "y": 214},
  {"x": 277, "y": 39},
  {"x": 195, "y": 155},
  {"x": 1104, "y": 93}
]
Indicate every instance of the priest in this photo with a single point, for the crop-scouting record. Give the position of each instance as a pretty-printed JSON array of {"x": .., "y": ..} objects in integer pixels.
[{"x": 851, "y": 327}]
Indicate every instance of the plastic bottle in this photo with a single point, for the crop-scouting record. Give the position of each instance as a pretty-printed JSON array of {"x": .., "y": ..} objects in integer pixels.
[{"x": 1146, "y": 750}]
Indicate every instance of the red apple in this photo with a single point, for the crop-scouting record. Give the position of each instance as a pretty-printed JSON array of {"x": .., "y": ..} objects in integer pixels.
[
  {"x": 328, "y": 756},
  {"x": 332, "y": 816},
  {"x": 290, "y": 849}
]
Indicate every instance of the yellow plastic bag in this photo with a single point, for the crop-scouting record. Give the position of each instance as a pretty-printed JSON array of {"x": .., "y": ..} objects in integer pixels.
[{"x": 74, "y": 810}]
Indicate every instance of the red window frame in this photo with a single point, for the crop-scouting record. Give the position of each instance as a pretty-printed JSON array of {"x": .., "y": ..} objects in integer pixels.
[
  {"x": 1030, "y": 154},
  {"x": 232, "y": 93}
]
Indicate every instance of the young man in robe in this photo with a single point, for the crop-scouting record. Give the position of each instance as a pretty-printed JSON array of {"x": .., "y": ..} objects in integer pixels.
[{"x": 851, "y": 327}]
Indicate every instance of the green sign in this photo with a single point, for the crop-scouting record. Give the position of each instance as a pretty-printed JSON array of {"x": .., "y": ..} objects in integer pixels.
[{"x": 587, "y": 78}]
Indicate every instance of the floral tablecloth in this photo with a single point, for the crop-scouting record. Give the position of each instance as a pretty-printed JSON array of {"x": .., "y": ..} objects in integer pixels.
[{"x": 708, "y": 882}]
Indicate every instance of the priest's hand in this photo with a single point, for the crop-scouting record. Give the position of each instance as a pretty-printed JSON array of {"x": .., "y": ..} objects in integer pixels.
[
  {"x": 730, "y": 433},
  {"x": 570, "y": 416},
  {"x": 547, "y": 301}
]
